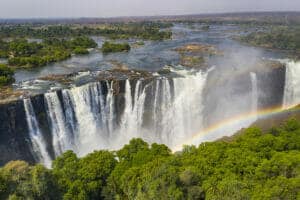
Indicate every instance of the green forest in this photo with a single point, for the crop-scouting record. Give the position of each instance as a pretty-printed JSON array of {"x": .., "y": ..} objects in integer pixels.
[
  {"x": 142, "y": 30},
  {"x": 6, "y": 75},
  {"x": 22, "y": 53},
  {"x": 251, "y": 165},
  {"x": 109, "y": 47},
  {"x": 276, "y": 37}
]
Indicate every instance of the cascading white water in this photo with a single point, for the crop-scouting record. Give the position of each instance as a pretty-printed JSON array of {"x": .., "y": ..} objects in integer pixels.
[
  {"x": 85, "y": 119},
  {"x": 37, "y": 139},
  {"x": 87, "y": 102},
  {"x": 61, "y": 139},
  {"x": 183, "y": 116},
  {"x": 132, "y": 118},
  {"x": 292, "y": 84}
]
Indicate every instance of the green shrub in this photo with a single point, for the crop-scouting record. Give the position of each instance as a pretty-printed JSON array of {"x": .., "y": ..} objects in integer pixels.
[
  {"x": 109, "y": 47},
  {"x": 80, "y": 51},
  {"x": 6, "y": 75},
  {"x": 253, "y": 165}
]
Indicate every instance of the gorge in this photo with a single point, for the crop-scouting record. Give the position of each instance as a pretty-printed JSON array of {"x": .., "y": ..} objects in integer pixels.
[
  {"x": 165, "y": 102},
  {"x": 107, "y": 114}
]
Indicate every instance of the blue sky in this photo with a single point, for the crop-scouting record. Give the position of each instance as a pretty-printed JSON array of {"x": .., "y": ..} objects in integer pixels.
[{"x": 112, "y": 8}]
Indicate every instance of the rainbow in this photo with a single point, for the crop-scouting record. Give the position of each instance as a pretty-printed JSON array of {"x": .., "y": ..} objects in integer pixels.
[{"x": 238, "y": 119}]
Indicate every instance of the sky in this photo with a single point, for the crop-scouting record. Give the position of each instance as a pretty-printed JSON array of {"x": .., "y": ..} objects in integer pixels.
[{"x": 115, "y": 8}]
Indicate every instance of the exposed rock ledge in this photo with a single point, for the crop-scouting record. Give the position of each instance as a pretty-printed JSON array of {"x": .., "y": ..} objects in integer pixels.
[
  {"x": 11, "y": 94},
  {"x": 196, "y": 55}
]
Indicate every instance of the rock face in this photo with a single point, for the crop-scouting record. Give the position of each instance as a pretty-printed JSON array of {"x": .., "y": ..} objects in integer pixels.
[{"x": 14, "y": 138}]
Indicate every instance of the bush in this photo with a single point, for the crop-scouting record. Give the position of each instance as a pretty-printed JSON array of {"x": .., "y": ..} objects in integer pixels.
[
  {"x": 6, "y": 75},
  {"x": 80, "y": 51},
  {"x": 109, "y": 47},
  {"x": 253, "y": 165},
  {"x": 26, "y": 54}
]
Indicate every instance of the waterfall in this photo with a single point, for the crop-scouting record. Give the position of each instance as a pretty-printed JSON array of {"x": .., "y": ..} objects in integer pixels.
[
  {"x": 132, "y": 119},
  {"x": 60, "y": 133},
  {"x": 188, "y": 105},
  {"x": 108, "y": 113},
  {"x": 89, "y": 117},
  {"x": 37, "y": 139},
  {"x": 292, "y": 84},
  {"x": 87, "y": 107},
  {"x": 254, "y": 93}
]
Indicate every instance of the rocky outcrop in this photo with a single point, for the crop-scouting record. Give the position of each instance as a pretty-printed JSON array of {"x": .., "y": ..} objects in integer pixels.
[
  {"x": 196, "y": 55},
  {"x": 14, "y": 139}
]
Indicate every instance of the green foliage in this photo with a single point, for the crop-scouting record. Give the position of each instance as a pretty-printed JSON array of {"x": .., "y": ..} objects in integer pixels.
[
  {"x": 21, "y": 53},
  {"x": 6, "y": 75},
  {"x": 277, "y": 37},
  {"x": 83, "y": 42},
  {"x": 254, "y": 165},
  {"x": 109, "y": 47},
  {"x": 142, "y": 30},
  {"x": 80, "y": 51}
]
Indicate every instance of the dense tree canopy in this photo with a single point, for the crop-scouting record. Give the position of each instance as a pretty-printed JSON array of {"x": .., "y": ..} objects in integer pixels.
[
  {"x": 109, "y": 47},
  {"x": 252, "y": 165},
  {"x": 22, "y": 53},
  {"x": 277, "y": 37},
  {"x": 142, "y": 30},
  {"x": 6, "y": 75}
]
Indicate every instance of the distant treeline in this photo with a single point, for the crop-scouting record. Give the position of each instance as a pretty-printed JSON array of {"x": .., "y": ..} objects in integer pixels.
[
  {"x": 142, "y": 30},
  {"x": 251, "y": 165},
  {"x": 276, "y": 37}
]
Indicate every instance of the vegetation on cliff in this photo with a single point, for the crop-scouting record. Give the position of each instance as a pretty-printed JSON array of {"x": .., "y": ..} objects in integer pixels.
[
  {"x": 6, "y": 75},
  {"x": 109, "y": 47},
  {"x": 253, "y": 165},
  {"x": 22, "y": 53}
]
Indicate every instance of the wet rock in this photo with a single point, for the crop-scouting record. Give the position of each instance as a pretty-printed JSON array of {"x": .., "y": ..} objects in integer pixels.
[
  {"x": 64, "y": 79},
  {"x": 14, "y": 140},
  {"x": 198, "y": 48},
  {"x": 165, "y": 70},
  {"x": 196, "y": 55},
  {"x": 8, "y": 94},
  {"x": 192, "y": 61}
]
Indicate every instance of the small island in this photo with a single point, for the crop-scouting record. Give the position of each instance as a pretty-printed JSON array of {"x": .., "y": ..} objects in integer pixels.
[
  {"x": 110, "y": 47},
  {"x": 196, "y": 55}
]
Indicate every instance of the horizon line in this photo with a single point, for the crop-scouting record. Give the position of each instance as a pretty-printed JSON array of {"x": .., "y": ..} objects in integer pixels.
[{"x": 150, "y": 16}]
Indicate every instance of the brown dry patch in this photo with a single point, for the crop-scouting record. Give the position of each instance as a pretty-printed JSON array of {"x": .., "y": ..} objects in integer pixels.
[
  {"x": 116, "y": 65},
  {"x": 192, "y": 61},
  {"x": 271, "y": 64},
  {"x": 199, "y": 48},
  {"x": 64, "y": 79},
  {"x": 8, "y": 94}
]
